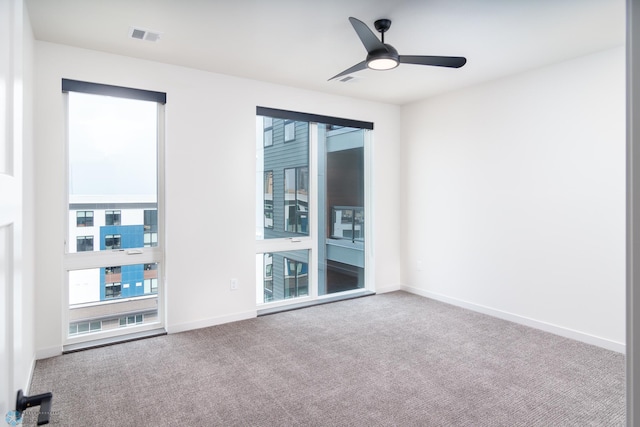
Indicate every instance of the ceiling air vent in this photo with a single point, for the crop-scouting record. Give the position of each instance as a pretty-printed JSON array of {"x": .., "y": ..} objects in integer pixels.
[
  {"x": 142, "y": 34},
  {"x": 348, "y": 79}
]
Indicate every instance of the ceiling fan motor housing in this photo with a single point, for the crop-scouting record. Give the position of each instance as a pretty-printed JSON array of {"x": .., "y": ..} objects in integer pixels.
[{"x": 383, "y": 59}]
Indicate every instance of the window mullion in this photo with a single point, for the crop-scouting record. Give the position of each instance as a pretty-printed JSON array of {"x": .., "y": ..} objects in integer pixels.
[
  {"x": 86, "y": 260},
  {"x": 312, "y": 210}
]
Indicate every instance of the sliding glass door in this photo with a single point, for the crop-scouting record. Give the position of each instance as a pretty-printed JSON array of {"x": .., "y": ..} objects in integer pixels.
[{"x": 311, "y": 205}]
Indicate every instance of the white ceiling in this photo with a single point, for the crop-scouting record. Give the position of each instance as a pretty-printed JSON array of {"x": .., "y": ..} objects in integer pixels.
[{"x": 303, "y": 43}]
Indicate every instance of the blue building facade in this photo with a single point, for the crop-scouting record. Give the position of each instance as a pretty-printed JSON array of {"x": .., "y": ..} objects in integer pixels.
[{"x": 127, "y": 280}]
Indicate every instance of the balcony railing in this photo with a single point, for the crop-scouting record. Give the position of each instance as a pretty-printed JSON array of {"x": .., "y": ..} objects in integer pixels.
[{"x": 347, "y": 222}]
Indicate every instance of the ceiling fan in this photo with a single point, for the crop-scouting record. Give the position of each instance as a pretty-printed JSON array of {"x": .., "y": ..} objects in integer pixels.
[{"x": 382, "y": 56}]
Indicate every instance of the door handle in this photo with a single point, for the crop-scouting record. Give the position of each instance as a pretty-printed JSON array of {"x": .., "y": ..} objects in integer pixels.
[{"x": 43, "y": 400}]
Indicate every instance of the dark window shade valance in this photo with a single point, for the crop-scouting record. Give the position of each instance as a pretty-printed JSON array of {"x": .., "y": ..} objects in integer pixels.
[
  {"x": 305, "y": 117},
  {"x": 109, "y": 90}
]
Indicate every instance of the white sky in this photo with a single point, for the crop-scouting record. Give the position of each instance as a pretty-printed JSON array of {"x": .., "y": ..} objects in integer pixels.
[{"x": 112, "y": 145}]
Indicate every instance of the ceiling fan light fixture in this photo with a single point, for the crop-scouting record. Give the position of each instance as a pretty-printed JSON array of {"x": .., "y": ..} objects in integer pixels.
[
  {"x": 382, "y": 63},
  {"x": 382, "y": 56}
]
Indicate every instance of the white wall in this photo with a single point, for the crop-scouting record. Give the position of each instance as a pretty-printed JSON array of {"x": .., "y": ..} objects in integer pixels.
[
  {"x": 210, "y": 152},
  {"x": 514, "y": 198}
]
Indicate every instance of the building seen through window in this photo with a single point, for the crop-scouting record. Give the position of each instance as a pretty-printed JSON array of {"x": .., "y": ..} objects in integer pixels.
[
  {"x": 284, "y": 185},
  {"x": 114, "y": 135}
]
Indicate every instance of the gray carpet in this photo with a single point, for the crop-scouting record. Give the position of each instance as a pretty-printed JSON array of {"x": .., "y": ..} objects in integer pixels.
[{"x": 387, "y": 360}]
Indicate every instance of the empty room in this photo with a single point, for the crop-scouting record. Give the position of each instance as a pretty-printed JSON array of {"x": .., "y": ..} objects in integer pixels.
[{"x": 317, "y": 213}]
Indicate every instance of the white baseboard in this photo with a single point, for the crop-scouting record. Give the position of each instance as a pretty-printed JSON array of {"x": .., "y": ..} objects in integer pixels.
[
  {"x": 26, "y": 386},
  {"x": 45, "y": 353},
  {"x": 205, "y": 323},
  {"x": 388, "y": 288},
  {"x": 547, "y": 327}
]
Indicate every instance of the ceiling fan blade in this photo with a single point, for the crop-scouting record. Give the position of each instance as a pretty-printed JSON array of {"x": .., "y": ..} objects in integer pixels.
[
  {"x": 368, "y": 38},
  {"x": 438, "y": 61},
  {"x": 361, "y": 66}
]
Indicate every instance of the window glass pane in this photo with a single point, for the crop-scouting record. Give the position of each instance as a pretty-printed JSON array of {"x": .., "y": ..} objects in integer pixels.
[
  {"x": 112, "y": 241},
  {"x": 268, "y": 131},
  {"x": 112, "y": 151},
  {"x": 112, "y": 176},
  {"x": 296, "y": 200},
  {"x": 150, "y": 278},
  {"x": 112, "y": 217},
  {"x": 112, "y": 290},
  {"x": 282, "y": 180},
  {"x": 268, "y": 199},
  {"x": 290, "y": 199},
  {"x": 302, "y": 200},
  {"x": 84, "y": 219},
  {"x": 284, "y": 275},
  {"x": 90, "y": 289},
  {"x": 289, "y": 130},
  {"x": 268, "y": 277},
  {"x": 84, "y": 327},
  {"x": 283, "y": 203},
  {"x": 341, "y": 248},
  {"x": 84, "y": 243}
]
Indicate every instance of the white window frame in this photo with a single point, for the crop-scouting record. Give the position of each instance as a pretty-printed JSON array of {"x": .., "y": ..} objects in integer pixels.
[
  {"x": 100, "y": 259},
  {"x": 310, "y": 242}
]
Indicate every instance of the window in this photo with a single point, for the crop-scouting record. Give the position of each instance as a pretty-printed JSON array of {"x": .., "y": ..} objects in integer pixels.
[
  {"x": 289, "y": 130},
  {"x": 84, "y": 327},
  {"x": 296, "y": 278},
  {"x": 112, "y": 290},
  {"x": 311, "y": 206},
  {"x": 268, "y": 277},
  {"x": 150, "y": 228},
  {"x": 112, "y": 217},
  {"x": 132, "y": 320},
  {"x": 268, "y": 199},
  {"x": 347, "y": 223},
  {"x": 112, "y": 275},
  {"x": 150, "y": 286},
  {"x": 296, "y": 200},
  {"x": 113, "y": 270},
  {"x": 112, "y": 241},
  {"x": 150, "y": 239},
  {"x": 281, "y": 215},
  {"x": 151, "y": 278},
  {"x": 268, "y": 131},
  {"x": 114, "y": 157},
  {"x": 84, "y": 219},
  {"x": 84, "y": 243},
  {"x": 284, "y": 275}
]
